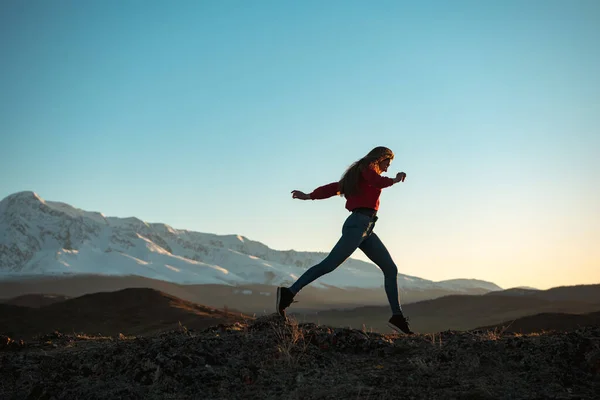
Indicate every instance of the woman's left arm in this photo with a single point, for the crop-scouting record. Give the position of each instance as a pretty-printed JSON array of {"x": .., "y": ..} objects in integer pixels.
[{"x": 376, "y": 180}]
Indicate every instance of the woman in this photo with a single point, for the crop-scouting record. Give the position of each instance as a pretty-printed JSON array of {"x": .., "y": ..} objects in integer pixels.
[{"x": 361, "y": 185}]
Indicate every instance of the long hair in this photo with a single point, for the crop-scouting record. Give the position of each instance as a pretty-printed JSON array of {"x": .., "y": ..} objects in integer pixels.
[{"x": 349, "y": 184}]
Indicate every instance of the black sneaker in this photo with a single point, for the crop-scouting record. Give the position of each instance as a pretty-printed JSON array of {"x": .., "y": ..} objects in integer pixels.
[
  {"x": 285, "y": 297},
  {"x": 399, "y": 323}
]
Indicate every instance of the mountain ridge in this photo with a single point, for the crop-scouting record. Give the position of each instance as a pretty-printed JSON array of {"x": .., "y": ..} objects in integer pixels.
[{"x": 50, "y": 237}]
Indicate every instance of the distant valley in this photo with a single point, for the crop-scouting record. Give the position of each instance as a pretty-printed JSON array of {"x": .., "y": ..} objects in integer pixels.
[{"x": 144, "y": 311}]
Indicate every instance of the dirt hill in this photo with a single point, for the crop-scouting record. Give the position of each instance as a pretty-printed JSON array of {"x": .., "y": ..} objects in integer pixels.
[
  {"x": 270, "y": 358},
  {"x": 461, "y": 312},
  {"x": 249, "y": 299},
  {"x": 456, "y": 312},
  {"x": 582, "y": 293},
  {"x": 547, "y": 322},
  {"x": 130, "y": 311},
  {"x": 36, "y": 300}
]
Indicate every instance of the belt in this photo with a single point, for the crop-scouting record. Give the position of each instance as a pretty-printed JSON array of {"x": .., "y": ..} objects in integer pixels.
[{"x": 366, "y": 211}]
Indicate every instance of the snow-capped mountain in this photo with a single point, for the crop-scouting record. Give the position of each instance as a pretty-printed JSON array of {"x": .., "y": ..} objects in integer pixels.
[{"x": 39, "y": 237}]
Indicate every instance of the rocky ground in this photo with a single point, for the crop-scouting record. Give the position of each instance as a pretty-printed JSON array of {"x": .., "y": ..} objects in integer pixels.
[{"x": 269, "y": 358}]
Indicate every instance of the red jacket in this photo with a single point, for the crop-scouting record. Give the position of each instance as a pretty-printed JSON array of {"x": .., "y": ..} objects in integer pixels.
[{"x": 370, "y": 186}]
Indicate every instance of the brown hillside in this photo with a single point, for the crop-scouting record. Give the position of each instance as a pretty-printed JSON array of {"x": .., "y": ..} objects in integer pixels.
[
  {"x": 36, "y": 300},
  {"x": 261, "y": 299},
  {"x": 582, "y": 293},
  {"x": 354, "y": 307},
  {"x": 547, "y": 322},
  {"x": 450, "y": 312},
  {"x": 129, "y": 311},
  {"x": 79, "y": 285}
]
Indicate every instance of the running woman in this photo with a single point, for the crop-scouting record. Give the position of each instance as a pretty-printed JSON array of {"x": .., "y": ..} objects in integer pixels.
[{"x": 361, "y": 185}]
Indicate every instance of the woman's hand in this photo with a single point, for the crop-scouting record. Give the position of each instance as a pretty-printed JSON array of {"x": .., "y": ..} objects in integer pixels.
[
  {"x": 400, "y": 176},
  {"x": 296, "y": 194}
]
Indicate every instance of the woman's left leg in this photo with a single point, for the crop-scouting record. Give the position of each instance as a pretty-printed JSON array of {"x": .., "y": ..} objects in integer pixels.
[{"x": 374, "y": 248}]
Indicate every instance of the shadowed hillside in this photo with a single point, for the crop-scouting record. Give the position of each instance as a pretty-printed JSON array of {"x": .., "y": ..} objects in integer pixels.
[
  {"x": 249, "y": 298},
  {"x": 333, "y": 306},
  {"x": 464, "y": 312},
  {"x": 583, "y": 293},
  {"x": 547, "y": 322},
  {"x": 36, "y": 300},
  {"x": 129, "y": 311},
  {"x": 270, "y": 358}
]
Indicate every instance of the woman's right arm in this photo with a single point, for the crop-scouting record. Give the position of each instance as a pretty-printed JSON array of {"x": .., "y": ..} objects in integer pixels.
[{"x": 322, "y": 192}]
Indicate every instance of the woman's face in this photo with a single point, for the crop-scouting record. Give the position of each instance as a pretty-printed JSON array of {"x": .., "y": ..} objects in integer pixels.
[{"x": 384, "y": 164}]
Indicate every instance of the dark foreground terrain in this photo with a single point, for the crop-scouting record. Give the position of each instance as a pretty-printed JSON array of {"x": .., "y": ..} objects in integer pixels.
[{"x": 269, "y": 358}]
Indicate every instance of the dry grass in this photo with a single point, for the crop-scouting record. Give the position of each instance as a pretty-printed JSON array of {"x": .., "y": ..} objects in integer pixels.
[
  {"x": 424, "y": 365},
  {"x": 435, "y": 337},
  {"x": 290, "y": 341}
]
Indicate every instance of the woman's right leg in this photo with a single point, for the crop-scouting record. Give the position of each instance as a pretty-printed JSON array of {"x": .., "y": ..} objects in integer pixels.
[{"x": 353, "y": 233}]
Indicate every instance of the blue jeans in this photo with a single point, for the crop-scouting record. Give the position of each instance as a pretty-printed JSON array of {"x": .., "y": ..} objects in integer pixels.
[{"x": 357, "y": 233}]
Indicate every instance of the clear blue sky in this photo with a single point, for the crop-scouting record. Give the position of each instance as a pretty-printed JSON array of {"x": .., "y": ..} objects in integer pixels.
[{"x": 206, "y": 114}]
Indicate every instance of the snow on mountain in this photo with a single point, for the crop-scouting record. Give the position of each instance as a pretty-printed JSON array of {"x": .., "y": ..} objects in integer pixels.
[
  {"x": 39, "y": 237},
  {"x": 459, "y": 284}
]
